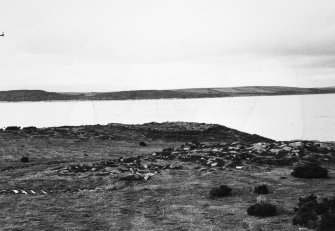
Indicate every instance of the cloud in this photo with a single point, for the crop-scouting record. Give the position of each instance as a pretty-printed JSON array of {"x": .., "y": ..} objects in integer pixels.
[{"x": 163, "y": 44}]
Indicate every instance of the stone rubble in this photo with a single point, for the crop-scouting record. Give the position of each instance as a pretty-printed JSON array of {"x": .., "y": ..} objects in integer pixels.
[{"x": 207, "y": 157}]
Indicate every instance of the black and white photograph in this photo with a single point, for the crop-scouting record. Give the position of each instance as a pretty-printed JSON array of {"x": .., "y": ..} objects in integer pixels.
[{"x": 167, "y": 115}]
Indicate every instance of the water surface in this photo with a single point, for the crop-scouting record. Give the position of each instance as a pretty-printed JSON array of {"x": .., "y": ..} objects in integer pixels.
[{"x": 277, "y": 117}]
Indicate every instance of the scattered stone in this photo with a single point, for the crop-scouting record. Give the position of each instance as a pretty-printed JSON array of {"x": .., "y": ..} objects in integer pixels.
[
  {"x": 24, "y": 192},
  {"x": 115, "y": 186},
  {"x": 304, "y": 229},
  {"x": 297, "y": 145},
  {"x": 148, "y": 175},
  {"x": 215, "y": 162},
  {"x": 275, "y": 151},
  {"x": 261, "y": 199},
  {"x": 287, "y": 149}
]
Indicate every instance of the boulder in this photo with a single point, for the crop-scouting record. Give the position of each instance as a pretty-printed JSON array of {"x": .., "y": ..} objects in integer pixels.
[
  {"x": 259, "y": 147},
  {"x": 297, "y": 145},
  {"x": 215, "y": 162},
  {"x": 275, "y": 151},
  {"x": 287, "y": 149}
]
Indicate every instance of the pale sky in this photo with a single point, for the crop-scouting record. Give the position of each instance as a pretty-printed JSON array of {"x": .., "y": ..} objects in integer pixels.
[{"x": 107, "y": 45}]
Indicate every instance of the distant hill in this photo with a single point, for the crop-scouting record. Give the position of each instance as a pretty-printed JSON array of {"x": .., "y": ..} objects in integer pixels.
[
  {"x": 39, "y": 95},
  {"x": 33, "y": 95}
]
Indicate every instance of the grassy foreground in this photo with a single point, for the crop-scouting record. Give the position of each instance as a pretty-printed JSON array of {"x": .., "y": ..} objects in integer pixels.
[{"x": 73, "y": 180}]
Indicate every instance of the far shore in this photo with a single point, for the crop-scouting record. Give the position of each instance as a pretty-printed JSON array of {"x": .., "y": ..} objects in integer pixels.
[{"x": 200, "y": 93}]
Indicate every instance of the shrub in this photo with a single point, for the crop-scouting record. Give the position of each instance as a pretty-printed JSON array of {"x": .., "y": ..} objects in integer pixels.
[
  {"x": 327, "y": 222},
  {"x": 305, "y": 217},
  {"x": 310, "y": 200},
  {"x": 327, "y": 204},
  {"x": 12, "y": 128},
  {"x": 312, "y": 214},
  {"x": 221, "y": 191},
  {"x": 261, "y": 189},
  {"x": 24, "y": 159},
  {"x": 310, "y": 171},
  {"x": 142, "y": 144},
  {"x": 263, "y": 209},
  {"x": 31, "y": 128}
]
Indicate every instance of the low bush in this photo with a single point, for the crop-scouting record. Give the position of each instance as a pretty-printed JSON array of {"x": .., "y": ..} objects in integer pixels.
[
  {"x": 312, "y": 214},
  {"x": 261, "y": 189},
  {"x": 143, "y": 144},
  {"x": 29, "y": 129},
  {"x": 24, "y": 159},
  {"x": 306, "y": 217},
  {"x": 310, "y": 171},
  {"x": 263, "y": 209},
  {"x": 221, "y": 191},
  {"x": 12, "y": 128},
  {"x": 327, "y": 222},
  {"x": 310, "y": 201}
]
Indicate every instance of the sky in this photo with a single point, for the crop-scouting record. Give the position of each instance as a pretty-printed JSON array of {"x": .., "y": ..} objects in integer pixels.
[{"x": 112, "y": 45}]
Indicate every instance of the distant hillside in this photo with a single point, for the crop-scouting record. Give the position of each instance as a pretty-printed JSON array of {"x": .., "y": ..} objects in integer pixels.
[
  {"x": 39, "y": 95},
  {"x": 33, "y": 95}
]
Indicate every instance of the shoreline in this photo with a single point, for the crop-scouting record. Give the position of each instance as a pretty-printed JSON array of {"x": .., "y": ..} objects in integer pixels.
[{"x": 138, "y": 126}]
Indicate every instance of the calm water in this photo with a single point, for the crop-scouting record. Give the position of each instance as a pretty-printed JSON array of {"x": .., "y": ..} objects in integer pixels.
[{"x": 277, "y": 117}]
